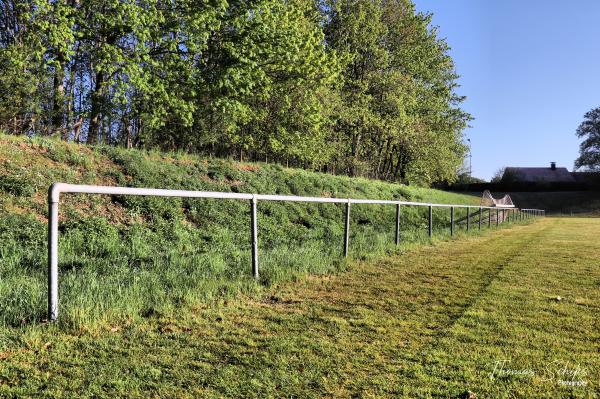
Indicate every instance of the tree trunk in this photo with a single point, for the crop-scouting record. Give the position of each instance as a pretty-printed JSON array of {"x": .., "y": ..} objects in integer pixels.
[
  {"x": 58, "y": 99},
  {"x": 96, "y": 111},
  {"x": 71, "y": 102}
]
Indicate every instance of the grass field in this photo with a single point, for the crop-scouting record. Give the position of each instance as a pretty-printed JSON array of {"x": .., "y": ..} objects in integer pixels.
[{"x": 478, "y": 314}]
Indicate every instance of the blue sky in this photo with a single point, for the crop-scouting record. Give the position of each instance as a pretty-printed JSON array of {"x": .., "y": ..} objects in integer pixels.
[{"x": 530, "y": 69}]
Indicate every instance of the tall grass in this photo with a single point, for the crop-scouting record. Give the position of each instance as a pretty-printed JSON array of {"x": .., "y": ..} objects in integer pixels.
[{"x": 122, "y": 258}]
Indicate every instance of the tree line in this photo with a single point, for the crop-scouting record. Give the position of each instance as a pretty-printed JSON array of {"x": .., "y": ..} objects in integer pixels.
[
  {"x": 359, "y": 87},
  {"x": 589, "y": 148}
]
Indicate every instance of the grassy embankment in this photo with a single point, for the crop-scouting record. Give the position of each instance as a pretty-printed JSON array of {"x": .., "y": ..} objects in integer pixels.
[
  {"x": 123, "y": 258},
  {"x": 433, "y": 322}
]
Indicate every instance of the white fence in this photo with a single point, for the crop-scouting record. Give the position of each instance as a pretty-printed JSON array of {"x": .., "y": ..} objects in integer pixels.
[{"x": 58, "y": 188}]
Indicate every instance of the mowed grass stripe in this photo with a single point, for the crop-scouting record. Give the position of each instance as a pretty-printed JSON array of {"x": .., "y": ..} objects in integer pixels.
[
  {"x": 539, "y": 316},
  {"x": 429, "y": 322}
]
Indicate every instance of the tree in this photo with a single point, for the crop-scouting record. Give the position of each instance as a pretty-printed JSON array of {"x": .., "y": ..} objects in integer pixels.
[
  {"x": 362, "y": 87},
  {"x": 589, "y": 149},
  {"x": 497, "y": 178},
  {"x": 263, "y": 84},
  {"x": 399, "y": 117}
]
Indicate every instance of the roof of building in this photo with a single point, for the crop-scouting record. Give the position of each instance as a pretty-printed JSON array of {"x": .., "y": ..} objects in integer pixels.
[{"x": 547, "y": 174}]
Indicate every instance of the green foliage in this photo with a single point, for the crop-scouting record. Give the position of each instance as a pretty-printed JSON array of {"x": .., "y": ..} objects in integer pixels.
[
  {"x": 589, "y": 149},
  {"x": 13, "y": 184},
  {"x": 362, "y": 87},
  {"x": 398, "y": 118}
]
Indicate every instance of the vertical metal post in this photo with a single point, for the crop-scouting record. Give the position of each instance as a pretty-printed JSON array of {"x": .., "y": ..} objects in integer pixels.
[
  {"x": 451, "y": 221},
  {"x": 347, "y": 229},
  {"x": 497, "y": 217},
  {"x": 430, "y": 220},
  {"x": 480, "y": 216},
  {"x": 468, "y": 218},
  {"x": 254, "y": 233},
  {"x": 397, "y": 240},
  {"x": 52, "y": 259}
]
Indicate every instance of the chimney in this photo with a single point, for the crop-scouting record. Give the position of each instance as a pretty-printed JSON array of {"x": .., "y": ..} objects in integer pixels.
[{"x": 553, "y": 165}]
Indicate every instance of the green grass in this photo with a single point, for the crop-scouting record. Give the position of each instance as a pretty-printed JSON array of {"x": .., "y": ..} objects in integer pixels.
[
  {"x": 564, "y": 203},
  {"x": 123, "y": 259},
  {"x": 431, "y": 321}
]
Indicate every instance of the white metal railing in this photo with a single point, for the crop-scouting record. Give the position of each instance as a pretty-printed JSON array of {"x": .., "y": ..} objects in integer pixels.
[{"x": 58, "y": 188}]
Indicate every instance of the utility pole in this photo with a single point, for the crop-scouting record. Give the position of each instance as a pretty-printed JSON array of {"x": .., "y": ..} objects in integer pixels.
[{"x": 470, "y": 159}]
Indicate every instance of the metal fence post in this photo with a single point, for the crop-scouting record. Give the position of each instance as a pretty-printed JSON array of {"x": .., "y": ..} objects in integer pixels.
[
  {"x": 254, "y": 232},
  {"x": 451, "y": 221},
  {"x": 468, "y": 218},
  {"x": 497, "y": 217},
  {"x": 347, "y": 229},
  {"x": 430, "y": 220},
  {"x": 397, "y": 239},
  {"x": 52, "y": 256},
  {"x": 480, "y": 216}
]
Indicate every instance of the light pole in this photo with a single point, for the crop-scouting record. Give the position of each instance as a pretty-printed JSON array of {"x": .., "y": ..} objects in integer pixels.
[{"x": 470, "y": 160}]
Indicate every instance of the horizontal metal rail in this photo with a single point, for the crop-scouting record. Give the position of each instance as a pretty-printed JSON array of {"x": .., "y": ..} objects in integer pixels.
[{"x": 57, "y": 189}]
